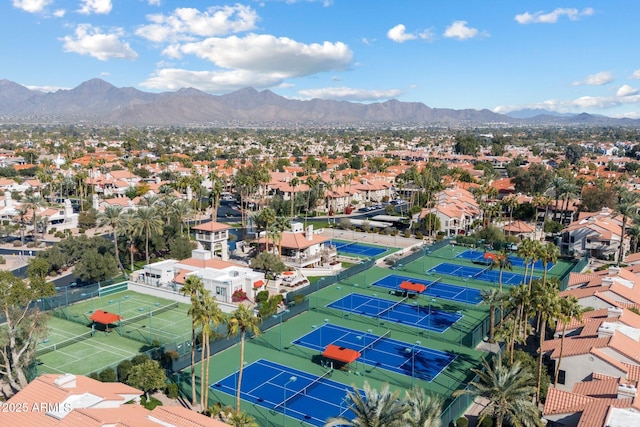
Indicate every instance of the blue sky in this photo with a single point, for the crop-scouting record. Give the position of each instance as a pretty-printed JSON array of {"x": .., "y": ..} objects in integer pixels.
[{"x": 498, "y": 54}]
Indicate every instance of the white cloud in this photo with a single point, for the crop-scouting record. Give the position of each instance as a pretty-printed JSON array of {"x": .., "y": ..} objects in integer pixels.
[
  {"x": 350, "y": 94},
  {"x": 552, "y": 17},
  {"x": 59, "y": 13},
  {"x": 88, "y": 7},
  {"x": 399, "y": 35},
  {"x": 635, "y": 75},
  {"x": 268, "y": 54},
  {"x": 31, "y": 6},
  {"x": 45, "y": 88},
  {"x": 592, "y": 103},
  {"x": 626, "y": 90},
  {"x": 185, "y": 23},
  {"x": 259, "y": 61},
  {"x": 598, "y": 79},
  {"x": 90, "y": 40},
  {"x": 460, "y": 30},
  {"x": 154, "y": 2}
]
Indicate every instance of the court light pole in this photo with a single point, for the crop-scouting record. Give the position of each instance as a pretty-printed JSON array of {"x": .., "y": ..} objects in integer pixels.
[
  {"x": 412, "y": 350},
  {"x": 275, "y": 316},
  {"x": 341, "y": 288},
  {"x": 292, "y": 379},
  {"x": 432, "y": 300}
]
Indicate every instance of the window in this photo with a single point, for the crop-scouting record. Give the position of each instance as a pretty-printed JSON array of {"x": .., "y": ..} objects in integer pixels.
[{"x": 561, "y": 376}]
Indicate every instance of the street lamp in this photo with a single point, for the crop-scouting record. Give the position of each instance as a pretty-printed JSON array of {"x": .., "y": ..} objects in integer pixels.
[
  {"x": 275, "y": 316},
  {"x": 320, "y": 328},
  {"x": 284, "y": 402},
  {"x": 412, "y": 350},
  {"x": 340, "y": 288}
]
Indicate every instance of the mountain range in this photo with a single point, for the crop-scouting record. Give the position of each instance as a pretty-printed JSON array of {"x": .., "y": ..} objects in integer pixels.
[{"x": 97, "y": 101}]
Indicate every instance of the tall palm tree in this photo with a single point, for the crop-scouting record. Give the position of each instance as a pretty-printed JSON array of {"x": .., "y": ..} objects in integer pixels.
[
  {"x": 33, "y": 203},
  {"x": 549, "y": 254},
  {"x": 537, "y": 250},
  {"x": 547, "y": 302},
  {"x": 266, "y": 217},
  {"x": 508, "y": 391},
  {"x": 502, "y": 262},
  {"x": 525, "y": 251},
  {"x": 295, "y": 181},
  {"x": 194, "y": 289},
  {"x": 282, "y": 224},
  {"x": 372, "y": 409},
  {"x": 493, "y": 298},
  {"x": 424, "y": 410},
  {"x": 627, "y": 207},
  {"x": 112, "y": 216},
  {"x": 558, "y": 184},
  {"x": 241, "y": 321},
  {"x": 208, "y": 317},
  {"x": 22, "y": 216},
  {"x": 150, "y": 223},
  {"x": 570, "y": 309},
  {"x": 181, "y": 210}
]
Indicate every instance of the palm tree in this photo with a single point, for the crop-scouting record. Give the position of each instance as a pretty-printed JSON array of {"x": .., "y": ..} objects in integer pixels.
[
  {"x": 508, "y": 392},
  {"x": 510, "y": 203},
  {"x": 130, "y": 224},
  {"x": 22, "y": 216},
  {"x": 502, "y": 262},
  {"x": 547, "y": 303},
  {"x": 241, "y": 321},
  {"x": 182, "y": 211},
  {"x": 266, "y": 217},
  {"x": 492, "y": 297},
  {"x": 373, "y": 409},
  {"x": 548, "y": 254},
  {"x": 208, "y": 317},
  {"x": 112, "y": 216},
  {"x": 33, "y": 203},
  {"x": 570, "y": 309},
  {"x": 558, "y": 184},
  {"x": 150, "y": 223},
  {"x": 526, "y": 251},
  {"x": 194, "y": 288},
  {"x": 627, "y": 208},
  {"x": 536, "y": 253},
  {"x": 295, "y": 181},
  {"x": 424, "y": 410},
  {"x": 282, "y": 223}
]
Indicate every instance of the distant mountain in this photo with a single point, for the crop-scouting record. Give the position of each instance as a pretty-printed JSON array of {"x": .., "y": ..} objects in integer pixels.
[
  {"x": 96, "y": 101},
  {"x": 529, "y": 113}
]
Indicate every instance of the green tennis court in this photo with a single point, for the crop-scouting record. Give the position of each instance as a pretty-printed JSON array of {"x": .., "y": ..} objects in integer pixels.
[
  {"x": 72, "y": 348},
  {"x": 146, "y": 318}
]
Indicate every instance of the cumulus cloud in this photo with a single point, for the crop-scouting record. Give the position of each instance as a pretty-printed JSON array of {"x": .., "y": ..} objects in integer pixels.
[
  {"x": 87, "y": 7},
  {"x": 350, "y": 94},
  {"x": 259, "y": 61},
  {"x": 59, "y": 13},
  {"x": 186, "y": 23},
  {"x": 90, "y": 40},
  {"x": 552, "y": 17},
  {"x": 399, "y": 35},
  {"x": 578, "y": 104},
  {"x": 635, "y": 75},
  {"x": 598, "y": 79},
  {"x": 460, "y": 30},
  {"x": 45, "y": 88},
  {"x": 626, "y": 90},
  {"x": 31, "y": 6}
]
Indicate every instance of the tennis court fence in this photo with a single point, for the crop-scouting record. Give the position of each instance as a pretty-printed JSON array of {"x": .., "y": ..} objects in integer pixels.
[{"x": 148, "y": 314}]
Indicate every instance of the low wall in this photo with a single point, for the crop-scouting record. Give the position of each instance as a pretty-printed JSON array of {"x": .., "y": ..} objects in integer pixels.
[{"x": 158, "y": 292}]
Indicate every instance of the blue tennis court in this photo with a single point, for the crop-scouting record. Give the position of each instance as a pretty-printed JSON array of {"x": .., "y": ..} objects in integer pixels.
[
  {"x": 516, "y": 261},
  {"x": 477, "y": 273},
  {"x": 381, "y": 351},
  {"x": 308, "y": 398},
  {"x": 400, "y": 312},
  {"x": 357, "y": 248},
  {"x": 435, "y": 288}
]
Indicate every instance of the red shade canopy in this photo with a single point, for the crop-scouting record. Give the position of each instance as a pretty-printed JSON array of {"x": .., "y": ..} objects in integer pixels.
[
  {"x": 489, "y": 255},
  {"x": 410, "y": 286},
  {"x": 258, "y": 284},
  {"x": 341, "y": 354},
  {"x": 105, "y": 317}
]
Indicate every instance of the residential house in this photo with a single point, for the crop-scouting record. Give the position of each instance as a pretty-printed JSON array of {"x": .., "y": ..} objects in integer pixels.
[
  {"x": 75, "y": 400},
  {"x": 213, "y": 237},
  {"x": 597, "y": 234},
  {"x": 300, "y": 248}
]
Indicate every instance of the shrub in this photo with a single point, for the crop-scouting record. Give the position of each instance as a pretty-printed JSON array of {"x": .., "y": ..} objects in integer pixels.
[
  {"x": 93, "y": 376},
  {"x": 17, "y": 243},
  {"x": 298, "y": 299},
  {"x": 2, "y": 260},
  {"x": 486, "y": 422},
  {"x": 462, "y": 422},
  {"x": 419, "y": 235},
  {"x": 262, "y": 296},
  {"x": 31, "y": 244},
  {"x": 107, "y": 376},
  {"x": 238, "y": 296},
  {"x": 81, "y": 230},
  {"x": 173, "y": 391},
  {"x": 139, "y": 359},
  {"x": 124, "y": 368}
]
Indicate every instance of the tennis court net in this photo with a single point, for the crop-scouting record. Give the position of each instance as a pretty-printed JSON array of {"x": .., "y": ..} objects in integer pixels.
[
  {"x": 303, "y": 390},
  {"x": 388, "y": 309},
  {"x": 153, "y": 313},
  {"x": 481, "y": 272},
  {"x": 375, "y": 341},
  {"x": 62, "y": 344}
]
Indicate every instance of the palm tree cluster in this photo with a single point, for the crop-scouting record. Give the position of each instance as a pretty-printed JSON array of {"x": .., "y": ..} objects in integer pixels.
[
  {"x": 384, "y": 408},
  {"x": 206, "y": 317}
]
